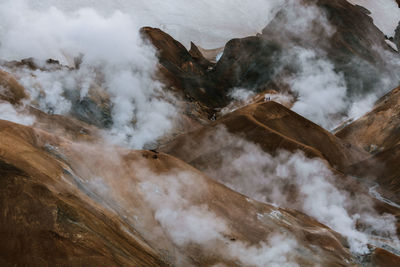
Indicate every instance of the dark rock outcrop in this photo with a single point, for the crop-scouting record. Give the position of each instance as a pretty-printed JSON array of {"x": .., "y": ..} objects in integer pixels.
[{"x": 183, "y": 71}]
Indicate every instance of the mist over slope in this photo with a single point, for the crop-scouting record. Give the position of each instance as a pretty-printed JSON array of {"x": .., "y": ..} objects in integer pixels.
[{"x": 199, "y": 133}]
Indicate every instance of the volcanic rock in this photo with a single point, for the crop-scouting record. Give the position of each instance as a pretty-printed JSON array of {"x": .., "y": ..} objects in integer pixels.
[{"x": 182, "y": 70}]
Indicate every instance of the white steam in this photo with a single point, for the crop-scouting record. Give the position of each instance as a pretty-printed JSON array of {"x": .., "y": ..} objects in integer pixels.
[
  {"x": 189, "y": 223},
  {"x": 184, "y": 221},
  {"x": 48, "y": 88},
  {"x": 175, "y": 201},
  {"x": 115, "y": 57},
  {"x": 321, "y": 92},
  {"x": 358, "y": 108},
  {"x": 107, "y": 35},
  {"x": 240, "y": 94},
  {"x": 320, "y": 89},
  {"x": 10, "y": 113},
  {"x": 295, "y": 181},
  {"x": 324, "y": 97},
  {"x": 171, "y": 209}
]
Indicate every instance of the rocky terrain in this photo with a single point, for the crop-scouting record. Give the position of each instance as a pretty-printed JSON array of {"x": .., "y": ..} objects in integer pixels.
[{"x": 123, "y": 144}]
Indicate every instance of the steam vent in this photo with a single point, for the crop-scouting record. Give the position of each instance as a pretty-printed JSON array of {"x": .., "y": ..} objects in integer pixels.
[{"x": 220, "y": 133}]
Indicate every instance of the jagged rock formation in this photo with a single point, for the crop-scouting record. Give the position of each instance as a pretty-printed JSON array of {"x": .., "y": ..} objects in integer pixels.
[{"x": 187, "y": 71}]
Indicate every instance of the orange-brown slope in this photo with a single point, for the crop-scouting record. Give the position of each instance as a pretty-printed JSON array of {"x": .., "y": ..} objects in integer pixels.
[
  {"x": 378, "y": 132},
  {"x": 10, "y": 90},
  {"x": 384, "y": 169},
  {"x": 273, "y": 127},
  {"x": 378, "y": 129},
  {"x": 44, "y": 224},
  {"x": 67, "y": 203}
]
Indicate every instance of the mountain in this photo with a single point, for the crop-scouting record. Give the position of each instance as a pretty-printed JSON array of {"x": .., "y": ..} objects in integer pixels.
[
  {"x": 377, "y": 133},
  {"x": 128, "y": 145},
  {"x": 273, "y": 127},
  {"x": 61, "y": 208},
  {"x": 378, "y": 129}
]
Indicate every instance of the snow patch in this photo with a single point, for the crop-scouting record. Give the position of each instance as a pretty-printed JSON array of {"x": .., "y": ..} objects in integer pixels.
[{"x": 392, "y": 45}]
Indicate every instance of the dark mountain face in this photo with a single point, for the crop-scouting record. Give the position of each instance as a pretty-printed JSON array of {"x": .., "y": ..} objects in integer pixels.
[{"x": 357, "y": 51}]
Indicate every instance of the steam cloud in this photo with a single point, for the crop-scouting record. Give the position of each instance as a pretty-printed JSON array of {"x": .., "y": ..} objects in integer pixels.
[
  {"x": 175, "y": 200},
  {"x": 293, "y": 180},
  {"x": 320, "y": 91},
  {"x": 115, "y": 57},
  {"x": 187, "y": 223},
  {"x": 10, "y": 113},
  {"x": 323, "y": 96}
]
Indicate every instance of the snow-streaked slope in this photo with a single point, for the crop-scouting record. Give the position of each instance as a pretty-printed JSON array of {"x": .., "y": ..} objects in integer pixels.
[{"x": 385, "y": 13}]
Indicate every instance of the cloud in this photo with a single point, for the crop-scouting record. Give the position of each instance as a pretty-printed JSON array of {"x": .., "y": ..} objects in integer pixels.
[
  {"x": 175, "y": 200},
  {"x": 10, "y": 113},
  {"x": 292, "y": 180},
  {"x": 189, "y": 223},
  {"x": 321, "y": 91},
  {"x": 114, "y": 57}
]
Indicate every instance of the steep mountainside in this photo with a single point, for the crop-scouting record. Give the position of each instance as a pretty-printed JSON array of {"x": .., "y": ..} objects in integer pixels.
[
  {"x": 378, "y": 132},
  {"x": 76, "y": 203},
  {"x": 123, "y": 144},
  {"x": 274, "y": 128},
  {"x": 378, "y": 129},
  {"x": 382, "y": 168}
]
